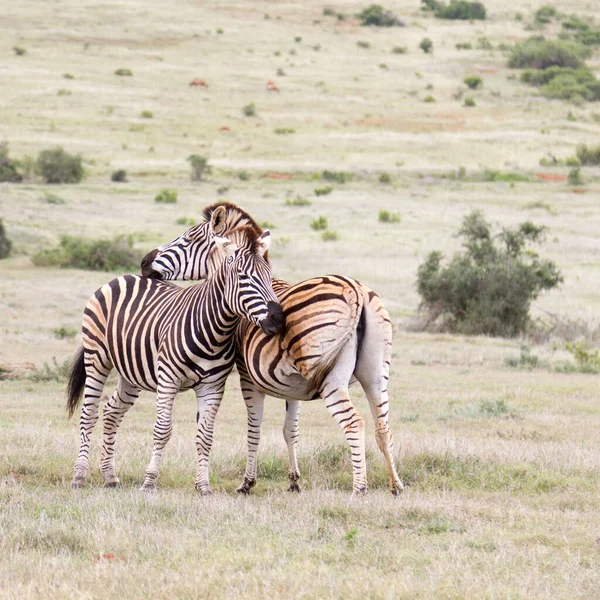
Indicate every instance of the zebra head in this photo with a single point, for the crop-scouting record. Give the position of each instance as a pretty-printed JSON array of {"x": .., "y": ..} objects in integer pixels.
[
  {"x": 186, "y": 257},
  {"x": 248, "y": 289}
]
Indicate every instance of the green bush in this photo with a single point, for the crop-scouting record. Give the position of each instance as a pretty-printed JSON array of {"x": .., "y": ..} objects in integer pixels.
[
  {"x": 186, "y": 221},
  {"x": 378, "y": 16},
  {"x": 473, "y": 82},
  {"x": 461, "y": 10},
  {"x": 298, "y": 201},
  {"x": 399, "y": 50},
  {"x": 575, "y": 176},
  {"x": 469, "y": 101},
  {"x": 124, "y": 73},
  {"x": 464, "y": 46},
  {"x": 249, "y": 110},
  {"x": 200, "y": 166},
  {"x": 588, "y": 156},
  {"x": 166, "y": 197},
  {"x": 338, "y": 176},
  {"x": 96, "y": 255},
  {"x": 119, "y": 176},
  {"x": 429, "y": 5},
  {"x": 488, "y": 288},
  {"x": 385, "y": 178},
  {"x": 507, "y": 177},
  {"x": 9, "y": 169},
  {"x": 319, "y": 224},
  {"x": 581, "y": 31},
  {"x": 385, "y": 216},
  {"x": 244, "y": 176},
  {"x": 146, "y": 114},
  {"x": 323, "y": 191},
  {"x": 284, "y": 131},
  {"x": 544, "y": 15},
  {"x": 329, "y": 236},
  {"x": 564, "y": 83},
  {"x": 19, "y": 50},
  {"x": 426, "y": 45},
  {"x": 5, "y": 243},
  {"x": 54, "y": 199},
  {"x": 58, "y": 166},
  {"x": 536, "y": 53},
  {"x": 362, "y": 44}
]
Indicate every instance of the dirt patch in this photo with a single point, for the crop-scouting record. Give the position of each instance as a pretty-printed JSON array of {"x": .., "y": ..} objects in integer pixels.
[
  {"x": 579, "y": 190},
  {"x": 278, "y": 176},
  {"x": 550, "y": 177}
]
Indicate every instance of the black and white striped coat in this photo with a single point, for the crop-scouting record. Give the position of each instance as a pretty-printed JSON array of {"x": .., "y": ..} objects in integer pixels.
[{"x": 167, "y": 339}]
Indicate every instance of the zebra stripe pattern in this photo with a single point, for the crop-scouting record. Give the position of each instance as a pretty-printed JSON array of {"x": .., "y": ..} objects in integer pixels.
[
  {"x": 337, "y": 332},
  {"x": 163, "y": 338}
]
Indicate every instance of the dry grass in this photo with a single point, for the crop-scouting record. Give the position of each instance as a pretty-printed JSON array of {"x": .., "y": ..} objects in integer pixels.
[{"x": 503, "y": 467}]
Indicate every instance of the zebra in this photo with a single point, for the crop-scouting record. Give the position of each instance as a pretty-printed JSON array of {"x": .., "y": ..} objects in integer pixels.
[
  {"x": 337, "y": 332},
  {"x": 163, "y": 338}
]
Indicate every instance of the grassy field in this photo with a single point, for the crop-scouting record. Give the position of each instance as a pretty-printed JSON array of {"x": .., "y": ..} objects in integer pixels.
[{"x": 502, "y": 465}]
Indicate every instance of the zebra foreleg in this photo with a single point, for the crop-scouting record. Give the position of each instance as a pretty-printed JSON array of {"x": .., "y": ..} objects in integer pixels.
[
  {"x": 290, "y": 433},
  {"x": 94, "y": 385},
  {"x": 209, "y": 399},
  {"x": 255, "y": 402},
  {"x": 162, "y": 431},
  {"x": 120, "y": 402}
]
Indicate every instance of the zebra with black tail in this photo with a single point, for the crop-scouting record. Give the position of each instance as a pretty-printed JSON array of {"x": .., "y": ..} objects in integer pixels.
[
  {"x": 163, "y": 338},
  {"x": 337, "y": 332}
]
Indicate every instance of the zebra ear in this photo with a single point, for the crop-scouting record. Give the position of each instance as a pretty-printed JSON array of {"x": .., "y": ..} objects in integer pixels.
[
  {"x": 263, "y": 242},
  {"x": 224, "y": 245},
  {"x": 218, "y": 220}
]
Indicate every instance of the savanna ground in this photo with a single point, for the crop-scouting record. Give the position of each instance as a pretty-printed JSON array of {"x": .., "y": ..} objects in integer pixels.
[{"x": 502, "y": 466}]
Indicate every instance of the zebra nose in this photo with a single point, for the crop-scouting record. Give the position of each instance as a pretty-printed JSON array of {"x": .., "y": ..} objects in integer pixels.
[
  {"x": 274, "y": 322},
  {"x": 147, "y": 261}
]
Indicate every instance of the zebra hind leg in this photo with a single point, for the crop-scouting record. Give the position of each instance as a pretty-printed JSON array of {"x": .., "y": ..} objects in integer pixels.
[
  {"x": 290, "y": 433},
  {"x": 94, "y": 385},
  {"x": 255, "y": 402},
  {"x": 115, "y": 409}
]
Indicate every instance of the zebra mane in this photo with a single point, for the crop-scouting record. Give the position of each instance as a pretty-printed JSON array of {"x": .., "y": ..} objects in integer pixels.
[
  {"x": 236, "y": 216},
  {"x": 237, "y": 219},
  {"x": 245, "y": 236}
]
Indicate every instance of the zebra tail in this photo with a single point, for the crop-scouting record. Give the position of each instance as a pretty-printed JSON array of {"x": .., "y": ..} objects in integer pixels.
[
  {"x": 328, "y": 362},
  {"x": 76, "y": 381}
]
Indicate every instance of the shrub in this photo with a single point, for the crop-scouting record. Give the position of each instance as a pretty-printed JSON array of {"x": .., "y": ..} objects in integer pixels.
[
  {"x": 378, "y": 16},
  {"x": 464, "y": 46},
  {"x": 146, "y": 114},
  {"x": 565, "y": 83},
  {"x": 8, "y": 168},
  {"x": 280, "y": 72},
  {"x": 319, "y": 224},
  {"x": 362, "y": 44},
  {"x": 429, "y": 99},
  {"x": 426, "y": 45},
  {"x": 329, "y": 236},
  {"x": 284, "y": 131},
  {"x": 124, "y": 73},
  {"x": 581, "y": 31},
  {"x": 399, "y": 50},
  {"x": 298, "y": 39},
  {"x": 68, "y": 76},
  {"x": 588, "y": 156},
  {"x": 244, "y": 176},
  {"x": 488, "y": 288},
  {"x": 338, "y": 176},
  {"x": 536, "y": 53},
  {"x": 473, "y": 82},
  {"x": 298, "y": 201},
  {"x": 185, "y": 221},
  {"x": 575, "y": 176},
  {"x": 64, "y": 92},
  {"x": 200, "y": 166},
  {"x": 5, "y": 243},
  {"x": 461, "y": 10},
  {"x": 19, "y": 50},
  {"x": 544, "y": 15},
  {"x": 429, "y": 5},
  {"x": 323, "y": 191},
  {"x": 587, "y": 361},
  {"x": 385, "y": 216},
  {"x": 329, "y": 12},
  {"x": 96, "y": 255},
  {"x": 58, "y": 166},
  {"x": 385, "y": 178},
  {"x": 249, "y": 110},
  {"x": 54, "y": 199},
  {"x": 63, "y": 333},
  {"x": 119, "y": 176},
  {"x": 166, "y": 197},
  {"x": 469, "y": 101},
  {"x": 507, "y": 177}
]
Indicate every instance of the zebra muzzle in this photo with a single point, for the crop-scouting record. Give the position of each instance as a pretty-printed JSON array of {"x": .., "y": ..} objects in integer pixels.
[{"x": 274, "y": 322}]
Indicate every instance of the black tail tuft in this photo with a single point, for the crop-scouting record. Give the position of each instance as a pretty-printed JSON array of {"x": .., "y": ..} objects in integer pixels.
[{"x": 76, "y": 381}]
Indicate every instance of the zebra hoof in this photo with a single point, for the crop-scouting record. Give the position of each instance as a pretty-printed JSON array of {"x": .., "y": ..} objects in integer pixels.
[
  {"x": 295, "y": 488},
  {"x": 205, "y": 492},
  {"x": 148, "y": 488},
  {"x": 360, "y": 492},
  {"x": 77, "y": 483},
  {"x": 246, "y": 486},
  {"x": 111, "y": 484},
  {"x": 397, "y": 490}
]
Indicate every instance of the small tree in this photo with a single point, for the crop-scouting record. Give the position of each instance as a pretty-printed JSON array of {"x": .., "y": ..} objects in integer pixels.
[
  {"x": 8, "y": 167},
  {"x": 426, "y": 45},
  {"x": 58, "y": 166},
  {"x": 5, "y": 243},
  {"x": 488, "y": 288},
  {"x": 200, "y": 166}
]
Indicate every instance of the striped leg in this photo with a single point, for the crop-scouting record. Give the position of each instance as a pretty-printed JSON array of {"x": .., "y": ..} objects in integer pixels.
[
  {"x": 290, "y": 433},
  {"x": 163, "y": 428},
  {"x": 120, "y": 402},
  {"x": 209, "y": 399},
  {"x": 94, "y": 385},
  {"x": 255, "y": 403}
]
